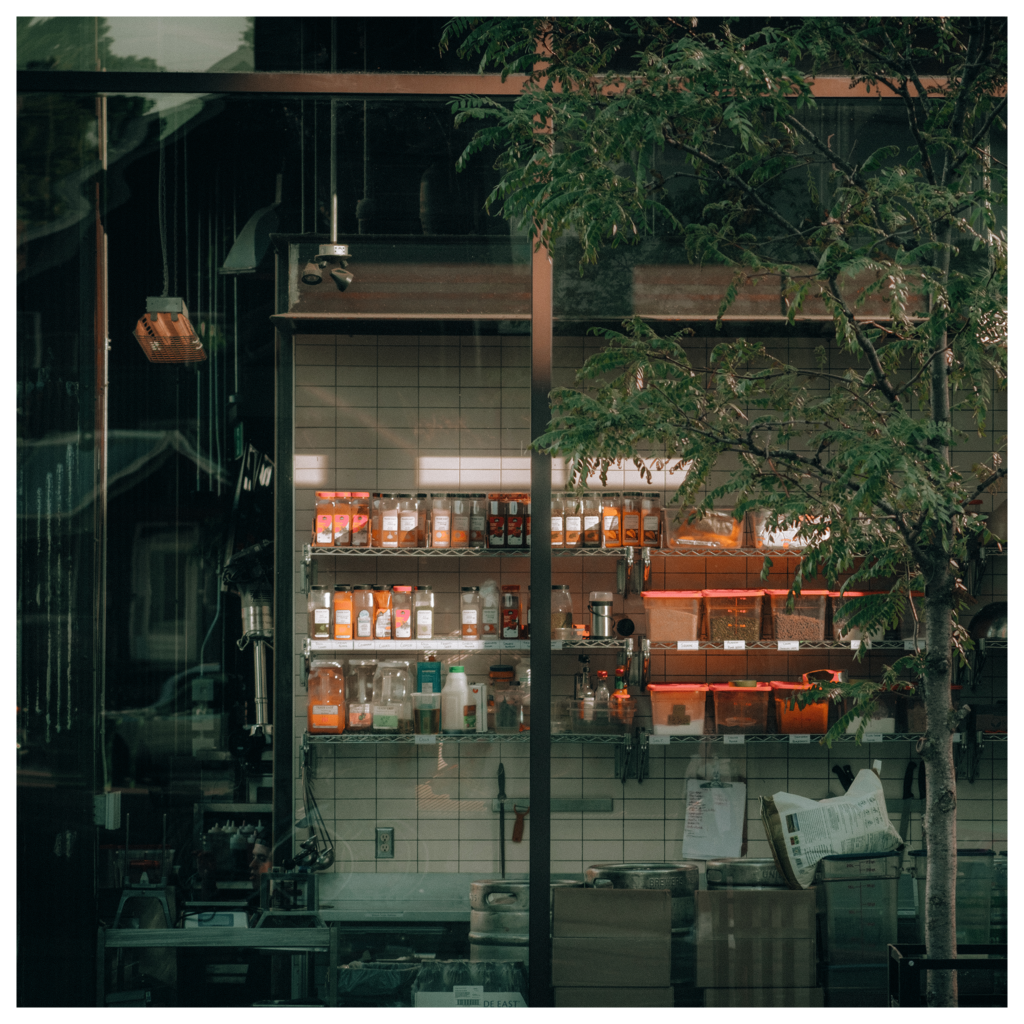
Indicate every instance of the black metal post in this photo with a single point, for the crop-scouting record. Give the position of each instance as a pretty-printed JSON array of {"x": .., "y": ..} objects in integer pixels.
[{"x": 540, "y": 634}]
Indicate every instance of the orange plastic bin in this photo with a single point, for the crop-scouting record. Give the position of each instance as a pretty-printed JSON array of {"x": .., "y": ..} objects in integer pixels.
[
  {"x": 790, "y": 717},
  {"x": 741, "y": 709}
]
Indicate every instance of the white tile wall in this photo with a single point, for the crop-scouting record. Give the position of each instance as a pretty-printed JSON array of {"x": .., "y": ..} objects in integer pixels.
[{"x": 452, "y": 413}]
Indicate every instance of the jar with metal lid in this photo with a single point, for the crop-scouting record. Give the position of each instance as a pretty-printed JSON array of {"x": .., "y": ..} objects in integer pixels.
[
  {"x": 561, "y": 612},
  {"x": 319, "y": 605},
  {"x": 423, "y": 612},
  {"x": 469, "y": 612}
]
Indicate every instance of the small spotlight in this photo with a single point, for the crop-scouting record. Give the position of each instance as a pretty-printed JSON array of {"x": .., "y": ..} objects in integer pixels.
[
  {"x": 311, "y": 273},
  {"x": 332, "y": 258},
  {"x": 165, "y": 333},
  {"x": 342, "y": 277}
]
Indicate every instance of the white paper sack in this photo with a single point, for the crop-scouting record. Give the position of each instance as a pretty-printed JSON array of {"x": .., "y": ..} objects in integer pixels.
[{"x": 856, "y": 822}]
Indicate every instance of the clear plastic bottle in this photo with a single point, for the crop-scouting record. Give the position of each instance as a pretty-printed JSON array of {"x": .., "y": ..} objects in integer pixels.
[
  {"x": 557, "y": 521},
  {"x": 401, "y": 600},
  {"x": 341, "y": 611},
  {"x": 469, "y": 613},
  {"x": 375, "y": 502},
  {"x": 455, "y": 701},
  {"x": 591, "y": 511},
  {"x": 478, "y": 521},
  {"x": 611, "y": 520},
  {"x": 389, "y": 518},
  {"x": 408, "y": 521},
  {"x": 631, "y": 502},
  {"x": 515, "y": 525},
  {"x": 573, "y": 521},
  {"x": 359, "y": 694},
  {"x": 497, "y": 513},
  {"x": 342, "y": 519},
  {"x": 325, "y": 712},
  {"x": 382, "y": 612},
  {"x": 360, "y": 519},
  {"x": 460, "y": 520},
  {"x": 650, "y": 511},
  {"x": 423, "y": 612},
  {"x": 621, "y": 706},
  {"x": 362, "y": 611},
  {"x": 422, "y": 514},
  {"x": 323, "y": 520},
  {"x": 319, "y": 605},
  {"x": 490, "y": 611},
  {"x": 440, "y": 521}
]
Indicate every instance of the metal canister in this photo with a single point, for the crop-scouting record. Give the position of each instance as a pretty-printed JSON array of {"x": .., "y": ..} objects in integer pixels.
[
  {"x": 499, "y": 918},
  {"x": 680, "y": 878},
  {"x": 744, "y": 873}
]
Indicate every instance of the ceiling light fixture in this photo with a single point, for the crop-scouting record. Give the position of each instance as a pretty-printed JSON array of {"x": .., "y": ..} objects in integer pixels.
[{"x": 165, "y": 333}]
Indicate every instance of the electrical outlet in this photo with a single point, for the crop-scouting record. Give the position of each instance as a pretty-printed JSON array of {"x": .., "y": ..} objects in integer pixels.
[{"x": 385, "y": 847}]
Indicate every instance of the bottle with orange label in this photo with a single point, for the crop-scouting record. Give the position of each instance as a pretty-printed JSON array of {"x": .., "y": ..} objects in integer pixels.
[
  {"x": 611, "y": 520},
  {"x": 342, "y": 519},
  {"x": 631, "y": 502},
  {"x": 341, "y": 614},
  {"x": 323, "y": 520},
  {"x": 326, "y": 707}
]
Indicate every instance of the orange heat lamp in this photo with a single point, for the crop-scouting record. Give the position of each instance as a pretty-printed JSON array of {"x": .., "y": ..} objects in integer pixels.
[{"x": 165, "y": 333}]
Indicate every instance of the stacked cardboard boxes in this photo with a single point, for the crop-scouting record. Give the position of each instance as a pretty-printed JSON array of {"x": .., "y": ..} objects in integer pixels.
[
  {"x": 611, "y": 947},
  {"x": 757, "y": 947}
]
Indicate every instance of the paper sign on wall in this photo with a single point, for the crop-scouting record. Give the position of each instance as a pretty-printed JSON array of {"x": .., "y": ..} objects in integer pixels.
[{"x": 715, "y": 812}]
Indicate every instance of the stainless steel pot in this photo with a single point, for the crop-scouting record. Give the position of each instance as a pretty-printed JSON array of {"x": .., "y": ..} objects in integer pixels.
[
  {"x": 744, "y": 873},
  {"x": 680, "y": 878}
]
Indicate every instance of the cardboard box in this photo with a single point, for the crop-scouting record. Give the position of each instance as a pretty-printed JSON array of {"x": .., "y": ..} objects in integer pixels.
[
  {"x": 611, "y": 913},
  {"x": 643, "y": 963},
  {"x": 764, "y": 997},
  {"x": 756, "y": 963},
  {"x": 755, "y": 914},
  {"x": 596, "y": 996}
]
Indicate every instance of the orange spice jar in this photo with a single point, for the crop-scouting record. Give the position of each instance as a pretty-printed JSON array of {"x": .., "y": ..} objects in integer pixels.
[
  {"x": 342, "y": 519},
  {"x": 341, "y": 612},
  {"x": 611, "y": 520},
  {"x": 360, "y": 502},
  {"x": 323, "y": 520}
]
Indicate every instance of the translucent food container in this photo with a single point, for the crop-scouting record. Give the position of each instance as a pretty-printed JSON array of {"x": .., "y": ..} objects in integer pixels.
[
  {"x": 733, "y": 614},
  {"x": 790, "y": 717},
  {"x": 846, "y": 633},
  {"x": 806, "y": 621},
  {"x": 717, "y": 529},
  {"x": 741, "y": 709},
  {"x": 782, "y": 540},
  {"x": 672, "y": 614},
  {"x": 595, "y": 721},
  {"x": 889, "y": 706},
  {"x": 678, "y": 708}
]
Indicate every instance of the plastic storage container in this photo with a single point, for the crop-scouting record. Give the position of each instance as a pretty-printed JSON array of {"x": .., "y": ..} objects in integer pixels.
[
  {"x": 790, "y": 717},
  {"x": 887, "y": 717},
  {"x": 778, "y": 540},
  {"x": 717, "y": 529},
  {"x": 741, "y": 709},
  {"x": 673, "y": 614},
  {"x": 733, "y": 614},
  {"x": 857, "y": 903},
  {"x": 974, "y": 870},
  {"x": 847, "y": 633},
  {"x": 677, "y": 709},
  {"x": 806, "y": 620},
  {"x": 326, "y": 705}
]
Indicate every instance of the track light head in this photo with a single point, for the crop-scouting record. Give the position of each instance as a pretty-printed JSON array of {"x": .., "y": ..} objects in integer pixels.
[{"x": 311, "y": 273}]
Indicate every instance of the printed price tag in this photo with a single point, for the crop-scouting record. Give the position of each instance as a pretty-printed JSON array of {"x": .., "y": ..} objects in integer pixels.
[
  {"x": 658, "y": 741},
  {"x": 426, "y": 739},
  {"x": 731, "y": 738},
  {"x": 556, "y": 645},
  {"x": 854, "y": 645},
  {"x": 687, "y": 645},
  {"x": 362, "y": 645},
  {"x": 387, "y": 645},
  {"x": 735, "y": 645},
  {"x": 872, "y": 737},
  {"x": 796, "y": 738},
  {"x": 789, "y": 645}
]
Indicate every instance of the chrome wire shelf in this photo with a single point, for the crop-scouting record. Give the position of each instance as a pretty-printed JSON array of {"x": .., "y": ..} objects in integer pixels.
[
  {"x": 310, "y": 646},
  {"x": 804, "y": 645}
]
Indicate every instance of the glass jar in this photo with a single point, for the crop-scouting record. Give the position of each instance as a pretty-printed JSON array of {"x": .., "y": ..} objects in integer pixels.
[
  {"x": 319, "y": 604},
  {"x": 359, "y": 694},
  {"x": 360, "y": 502},
  {"x": 460, "y": 520},
  {"x": 515, "y": 524},
  {"x": 478, "y": 521},
  {"x": 382, "y": 612},
  {"x": 469, "y": 613},
  {"x": 401, "y": 602},
  {"x": 561, "y": 612},
  {"x": 557, "y": 521},
  {"x": 325, "y": 712},
  {"x": 389, "y": 506},
  {"x": 423, "y": 611},
  {"x": 611, "y": 520},
  {"x": 590, "y": 505},
  {"x": 341, "y": 611},
  {"x": 392, "y": 698},
  {"x": 362, "y": 611},
  {"x": 323, "y": 520},
  {"x": 408, "y": 521},
  {"x": 572, "y": 507},
  {"x": 510, "y": 612},
  {"x": 440, "y": 521},
  {"x": 631, "y": 502},
  {"x": 650, "y": 520}
]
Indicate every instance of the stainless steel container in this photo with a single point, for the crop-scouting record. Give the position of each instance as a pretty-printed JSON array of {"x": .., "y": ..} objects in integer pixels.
[
  {"x": 499, "y": 918},
  {"x": 744, "y": 873},
  {"x": 680, "y": 878}
]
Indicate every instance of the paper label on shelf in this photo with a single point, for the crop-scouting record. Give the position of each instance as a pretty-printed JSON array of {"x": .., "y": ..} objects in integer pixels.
[
  {"x": 425, "y": 739},
  {"x": 448, "y": 645},
  {"x": 798, "y": 738},
  {"x": 473, "y": 645},
  {"x": 511, "y": 645},
  {"x": 556, "y": 645},
  {"x": 733, "y": 738},
  {"x": 687, "y": 645},
  {"x": 658, "y": 741},
  {"x": 734, "y": 645},
  {"x": 872, "y": 737},
  {"x": 789, "y": 645},
  {"x": 492, "y": 645},
  {"x": 854, "y": 645},
  {"x": 323, "y": 645},
  {"x": 387, "y": 645},
  {"x": 362, "y": 645},
  {"x": 340, "y": 645},
  {"x": 913, "y": 645}
]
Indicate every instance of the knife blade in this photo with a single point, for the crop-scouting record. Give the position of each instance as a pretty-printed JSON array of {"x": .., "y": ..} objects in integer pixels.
[{"x": 501, "y": 814}]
